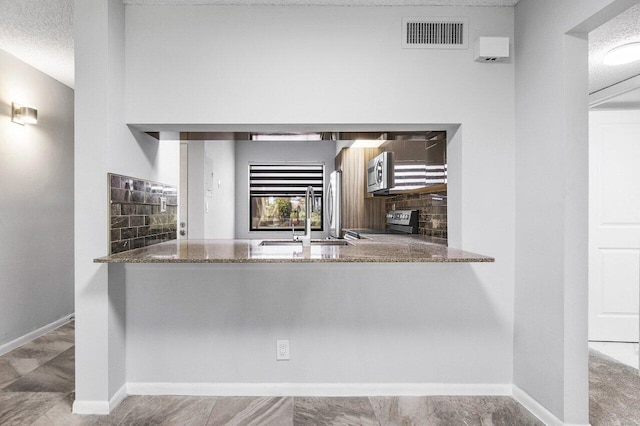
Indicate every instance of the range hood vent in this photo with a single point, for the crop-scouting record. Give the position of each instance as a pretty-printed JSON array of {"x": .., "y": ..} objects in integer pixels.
[{"x": 434, "y": 33}]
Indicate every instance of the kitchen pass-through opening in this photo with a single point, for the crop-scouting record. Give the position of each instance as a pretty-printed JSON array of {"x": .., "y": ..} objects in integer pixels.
[{"x": 252, "y": 184}]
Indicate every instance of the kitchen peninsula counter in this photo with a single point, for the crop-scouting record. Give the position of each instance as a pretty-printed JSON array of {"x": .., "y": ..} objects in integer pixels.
[{"x": 374, "y": 248}]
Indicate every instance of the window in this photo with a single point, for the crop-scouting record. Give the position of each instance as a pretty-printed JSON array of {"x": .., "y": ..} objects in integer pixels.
[{"x": 277, "y": 195}]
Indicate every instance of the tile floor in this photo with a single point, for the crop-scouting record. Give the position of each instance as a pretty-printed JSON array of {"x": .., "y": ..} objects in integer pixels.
[
  {"x": 614, "y": 392},
  {"x": 37, "y": 383},
  {"x": 37, "y": 377}
]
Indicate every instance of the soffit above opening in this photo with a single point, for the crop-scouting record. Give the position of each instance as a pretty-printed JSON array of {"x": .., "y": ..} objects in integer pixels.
[{"x": 486, "y": 3}]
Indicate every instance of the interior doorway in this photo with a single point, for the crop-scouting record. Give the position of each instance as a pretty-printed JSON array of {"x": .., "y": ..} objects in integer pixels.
[
  {"x": 614, "y": 225},
  {"x": 614, "y": 194}
]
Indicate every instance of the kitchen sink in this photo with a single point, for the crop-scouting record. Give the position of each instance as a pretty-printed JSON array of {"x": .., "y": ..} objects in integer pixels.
[{"x": 299, "y": 243}]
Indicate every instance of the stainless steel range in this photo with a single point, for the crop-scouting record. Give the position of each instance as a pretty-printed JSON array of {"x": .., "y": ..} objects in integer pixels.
[
  {"x": 403, "y": 221},
  {"x": 398, "y": 222}
]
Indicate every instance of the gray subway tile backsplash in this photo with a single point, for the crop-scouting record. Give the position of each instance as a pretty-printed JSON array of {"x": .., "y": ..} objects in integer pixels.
[
  {"x": 128, "y": 233},
  {"x": 138, "y": 197},
  {"x": 128, "y": 209},
  {"x": 120, "y": 195},
  {"x": 143, "y": 209},
  {"x": 143, "y": 231},
  {"x": 135, "y": 217},
  {"x": 136, "y": 220},
  {"x": 137, "y": 243},
  {"x": 114, "y": 181},
  {"x": 432, "y": 220},
  {"x": 119, "y": 222},
  {"x": 119, "y": 246}
]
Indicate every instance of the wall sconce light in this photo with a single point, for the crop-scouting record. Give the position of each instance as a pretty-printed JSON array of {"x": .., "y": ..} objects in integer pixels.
[{"x": 23, "y": 115}]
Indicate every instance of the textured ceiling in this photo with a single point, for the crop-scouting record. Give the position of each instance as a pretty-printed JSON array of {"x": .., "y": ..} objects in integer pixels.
[
  {"x": 622, "y": 29},
  {"x": 40, "y": 33},
  {"x": 331, "y": 2}
]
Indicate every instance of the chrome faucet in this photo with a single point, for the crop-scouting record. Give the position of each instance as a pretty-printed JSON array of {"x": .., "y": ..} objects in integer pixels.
[{"x": 309, "y": 199}]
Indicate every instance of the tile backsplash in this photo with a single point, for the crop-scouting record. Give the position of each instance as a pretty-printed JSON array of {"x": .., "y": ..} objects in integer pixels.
[
  {"x": 433, "y": 211},
  {"x": 142, "y": 213}
]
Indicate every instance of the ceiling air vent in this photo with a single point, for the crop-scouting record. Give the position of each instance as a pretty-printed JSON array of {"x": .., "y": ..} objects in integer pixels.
[{"x": 434, "y": 33}]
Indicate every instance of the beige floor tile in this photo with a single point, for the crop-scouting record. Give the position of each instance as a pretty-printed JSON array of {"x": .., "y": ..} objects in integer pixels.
[
  {"x": 349, "y": 411},
  {"x": 8, "y": 373},
  {"x": 170, "y": 410},
  {"x": 614, "y": 392},
  {"x": 24, "y": 408},
  {"x": 248, "y": 411},
  {"x": 35, "y": 353},
  {"x": 56, "y": 375}
]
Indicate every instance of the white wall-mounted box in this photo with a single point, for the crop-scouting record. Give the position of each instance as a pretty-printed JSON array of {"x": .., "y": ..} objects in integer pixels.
[{"x": 491, "y": 49}]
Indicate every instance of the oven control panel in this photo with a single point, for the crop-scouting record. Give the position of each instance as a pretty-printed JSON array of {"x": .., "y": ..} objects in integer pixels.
[{"x": 402, "y": 217}]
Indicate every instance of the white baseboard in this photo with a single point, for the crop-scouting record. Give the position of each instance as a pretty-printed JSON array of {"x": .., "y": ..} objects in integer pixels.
[
  {"x": 90, "y": 407},
  {"x": 538, "y": 410},
  {"x": 287, "y": 389},
  {"x": 318, "y": 389},
  {"x": 16, "y": 343},
  {"x": 118, "y": 397},
  {"x": 315, "y": 389},
  {"x": 100, "y": 407}
]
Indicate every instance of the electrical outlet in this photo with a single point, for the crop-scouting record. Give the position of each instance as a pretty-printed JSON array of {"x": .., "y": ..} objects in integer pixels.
[{"x": 282, "y": 350}]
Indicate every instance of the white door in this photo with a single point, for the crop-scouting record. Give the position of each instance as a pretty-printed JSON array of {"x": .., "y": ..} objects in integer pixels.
[{"x": 614, "y": 225}]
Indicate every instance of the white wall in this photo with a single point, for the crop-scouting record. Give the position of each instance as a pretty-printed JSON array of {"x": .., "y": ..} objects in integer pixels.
[
  {"x": 322, "y": 65},
  {"x": 211, "y": 210},
  {"x": 335, "y": 65},
  {"x": 104, "y": 143},
  {"x": 360, "y": 323},
  {"x": 550, "y": 346},
  {"x": 220, "y": 217},
  {"x": 250, "y": 151},
  {"x": 270, "y": 67},
  {"x": 36, "y": 213}
]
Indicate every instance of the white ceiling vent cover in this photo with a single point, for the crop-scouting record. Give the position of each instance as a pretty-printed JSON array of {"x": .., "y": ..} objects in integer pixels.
[{"x": 435, "y": 33}]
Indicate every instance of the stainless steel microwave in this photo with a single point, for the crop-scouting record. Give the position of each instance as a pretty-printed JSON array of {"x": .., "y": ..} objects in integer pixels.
[{"x": 380, "y": 174}]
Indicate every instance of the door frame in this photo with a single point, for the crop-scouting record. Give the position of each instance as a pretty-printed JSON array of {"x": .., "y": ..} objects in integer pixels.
[{"x": 602, "y": 96}]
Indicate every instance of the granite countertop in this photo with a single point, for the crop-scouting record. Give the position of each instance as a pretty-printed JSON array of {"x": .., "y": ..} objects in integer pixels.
[{"x": 373, "y": 248}]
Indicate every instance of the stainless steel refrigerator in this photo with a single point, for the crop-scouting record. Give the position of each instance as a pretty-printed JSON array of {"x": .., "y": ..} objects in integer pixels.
[{"x": 334, "y": 197}]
